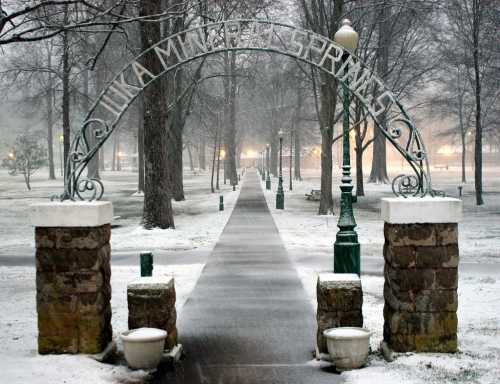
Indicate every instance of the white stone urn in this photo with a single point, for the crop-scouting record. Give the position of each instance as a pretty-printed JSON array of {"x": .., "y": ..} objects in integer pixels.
[
  {"x": 143, "y": 347},
  {"x": 348, "y": 346}
]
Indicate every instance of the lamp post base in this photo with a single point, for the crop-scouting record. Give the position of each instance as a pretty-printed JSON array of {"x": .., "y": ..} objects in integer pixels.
[
  {"x": 268, "y": 184},
  {"x": 347, "y": 253},
  {"x": 280, "y": 201}
]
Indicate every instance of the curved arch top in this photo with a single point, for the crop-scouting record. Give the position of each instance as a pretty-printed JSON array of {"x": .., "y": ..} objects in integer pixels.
[{"x": 247, "y": 35}]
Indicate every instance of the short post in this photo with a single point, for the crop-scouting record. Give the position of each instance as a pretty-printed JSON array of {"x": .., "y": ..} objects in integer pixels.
[
  {"x": 460, "y": 189},
  {"x": 151, "y": 304},
  {"x": 234, "y": 187},
  {"x": 73, "y": 271},
  {"x": 146, "y": 264},
  {"x": 221, "y": 203},
  {"x": 340, "y": 303},
  {"x": 280, "y": 194},
  {"x": 421, "y": 273}
]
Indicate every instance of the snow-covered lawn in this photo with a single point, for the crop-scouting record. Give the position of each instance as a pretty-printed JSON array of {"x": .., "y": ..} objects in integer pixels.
[
  {"x": 199, "y": 224},
  {"x": 309, "y": 240}
]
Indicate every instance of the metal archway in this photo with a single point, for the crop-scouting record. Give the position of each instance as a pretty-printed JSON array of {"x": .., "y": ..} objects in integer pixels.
[{"x": 247, "y": 35}]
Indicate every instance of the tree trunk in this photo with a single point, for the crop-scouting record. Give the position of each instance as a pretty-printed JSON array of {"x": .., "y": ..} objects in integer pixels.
[
  {"x": 190, "y": 154},
  {"x": 213, "y": 161},
  {"x": 298, "y": 149},
  {"x": 115, "y": 154},
  {"x": 50, "y": 133},
  {"x": 65, "y": 97},
  {"x": 359, "y": 150},
  {"x": 230, "y": 85},
  {"x": 93, "y": 165},
  {"x": 174, "y": 154},
  {"x": 327, "y": 113},
  {"x": 202, "y": 152},
  {"x": 217, "y": 186},
  {"x": 157, "y": 202},
  {"x": 478, "y": 153},
  {"x": 360, "y": 186},
  {"x": 378, "y": 173},
  {"x": 274, "y": 153},
  {"x": 140, "y": 147},
  {"x": 296, "y": 135},
  {"x": 27, "y": 180},
  {"x": 464, "y": 150}
]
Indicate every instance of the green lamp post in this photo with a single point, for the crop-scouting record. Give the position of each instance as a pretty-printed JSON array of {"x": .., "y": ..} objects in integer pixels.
[
  {"x": 280, "y": 194},
  {"x": 346, "y": 248},
  {"x": 268, "y": 178},
  {"x": 263, "y": 169}
]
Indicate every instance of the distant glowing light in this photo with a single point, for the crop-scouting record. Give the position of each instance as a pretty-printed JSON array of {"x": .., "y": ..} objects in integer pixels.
[
  {"x": 317, "y": 151},
  {"x": 446, "y": 150},
  {"x": 121, "y": 154},
  {"x": 61, "y": 138},
  {"x": 222, "y": 154},
  {"x": 12, "y": 156},
  {"x": 251, "y": 154}
]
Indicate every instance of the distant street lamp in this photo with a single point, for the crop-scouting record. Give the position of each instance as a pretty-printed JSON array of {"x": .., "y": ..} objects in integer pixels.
[
  {"x": 12, "y": 156},
  {"x": 268, "y": 179},
  {"x": 263, "y": 169},
  {"x": 291, "y": 153},
  {"x": 280, "y": 195},
  {"x": 61, "y": 142},
  {"x": 346, "y": 248}
]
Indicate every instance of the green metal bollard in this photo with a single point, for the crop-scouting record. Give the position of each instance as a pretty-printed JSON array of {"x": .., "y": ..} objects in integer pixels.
[
  {"x": 146, "y": 264},
  {"x": 221, "y": 203}
]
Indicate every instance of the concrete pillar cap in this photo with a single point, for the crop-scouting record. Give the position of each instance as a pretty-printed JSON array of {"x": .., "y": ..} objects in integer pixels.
[
  {"x": 421, "y": 210},
  {"x": 71, "y": 214}
]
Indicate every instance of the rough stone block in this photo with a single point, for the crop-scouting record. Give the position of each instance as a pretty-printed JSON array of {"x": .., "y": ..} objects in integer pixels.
[
  {"x": 340, "y": 301},
  {"x": 447, "y": 278},
  {"x": 400, "y": 256},
  {"x": 151, "y": 303},
  {"x": 400, "y": 235},
  {"x": 446, "y": 233},
  {"x": 444, "y": 256},
  {"x": 73, "y": 289},
  {"x": 72, "y": 237},
  {"x": 421, "y": 278},
  {"x": 413, "y": 279}
]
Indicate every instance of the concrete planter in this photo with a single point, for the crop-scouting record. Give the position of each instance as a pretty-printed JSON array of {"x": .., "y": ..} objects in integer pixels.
[
  {"x": 348, "y": 346},
  {"x": 143, "y": 347}
]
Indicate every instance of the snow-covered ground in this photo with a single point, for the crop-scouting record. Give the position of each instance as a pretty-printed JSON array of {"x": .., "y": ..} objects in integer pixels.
[
  {"x": 198, "y": 226},
  {"x": 309, "y": 240}
]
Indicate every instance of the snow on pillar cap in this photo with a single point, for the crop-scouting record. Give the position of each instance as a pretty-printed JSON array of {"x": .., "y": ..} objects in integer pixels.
[
  {"x": 421, "y": 210},
  {"x": 71, "y": 214}
]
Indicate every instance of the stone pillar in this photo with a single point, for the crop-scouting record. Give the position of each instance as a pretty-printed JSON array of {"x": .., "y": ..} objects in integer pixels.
[
  {"x": 340, "y": 301},
  {"x": 73, "y": 290},
  {"x": 151, "y": 304},
  {"x": 421, "y": 273}
]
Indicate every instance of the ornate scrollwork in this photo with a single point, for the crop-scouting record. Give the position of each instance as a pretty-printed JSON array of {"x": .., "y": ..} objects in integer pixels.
[
  {"x": 406, "y": 185},
  {"x": 92, "y": 186}
]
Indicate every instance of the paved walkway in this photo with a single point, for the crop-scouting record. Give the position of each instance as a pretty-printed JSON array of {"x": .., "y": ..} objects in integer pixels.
[{"x": 248, "y": 320}]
